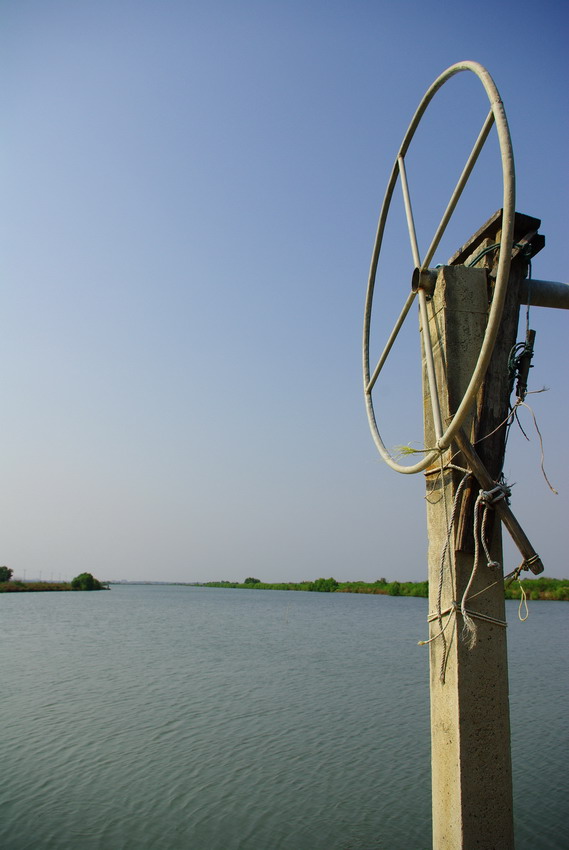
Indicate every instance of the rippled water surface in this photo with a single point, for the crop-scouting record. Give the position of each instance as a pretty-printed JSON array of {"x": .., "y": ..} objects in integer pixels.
[{"x": 177, "y": 717}]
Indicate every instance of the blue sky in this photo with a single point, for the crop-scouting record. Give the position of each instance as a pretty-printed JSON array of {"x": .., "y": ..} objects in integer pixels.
[{"x": 190, "y": 194}]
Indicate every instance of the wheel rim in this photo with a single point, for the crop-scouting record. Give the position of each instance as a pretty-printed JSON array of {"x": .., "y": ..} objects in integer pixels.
[{"x": 497, "y": 117}]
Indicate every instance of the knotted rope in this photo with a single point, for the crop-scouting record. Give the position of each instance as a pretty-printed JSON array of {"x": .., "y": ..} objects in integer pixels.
[{"x": 484, "y": 502}]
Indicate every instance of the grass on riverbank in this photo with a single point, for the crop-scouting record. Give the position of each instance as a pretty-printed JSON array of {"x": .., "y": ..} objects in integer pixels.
[
  {"x": 24, "y": 586},
  {"x": 538, "y": 588},
  {"x": 84, "y": 581}
]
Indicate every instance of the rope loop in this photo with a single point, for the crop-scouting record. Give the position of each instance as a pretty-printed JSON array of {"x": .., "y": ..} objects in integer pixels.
[
  {"x": 500, "y": 491},
  {"x": 526, "y": 565},
  {"x": 523, "y": 610}
]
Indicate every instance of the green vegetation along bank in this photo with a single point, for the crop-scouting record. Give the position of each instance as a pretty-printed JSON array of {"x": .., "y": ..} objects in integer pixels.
[
  {"x": 84, "y": 581},
  {"x": 537, "y": 588}
]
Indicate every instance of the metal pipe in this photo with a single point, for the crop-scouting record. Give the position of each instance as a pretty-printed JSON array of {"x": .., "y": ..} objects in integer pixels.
[
  {"x": 544, "y": 293},
  {"x": 409, "y": 211},
  {"x": 430, "y": 364},
  {"x": 424, "y": 279},
  {"x": 475, "y": 153}
]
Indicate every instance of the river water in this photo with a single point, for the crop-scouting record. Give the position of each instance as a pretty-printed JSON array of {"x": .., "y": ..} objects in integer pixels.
[{"x": 212, "y": 719}]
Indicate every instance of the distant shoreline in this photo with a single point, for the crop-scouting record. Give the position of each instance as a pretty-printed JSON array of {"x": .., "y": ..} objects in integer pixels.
[
  {"x": 549, "y": 589},
  {"x": 552, "y": 589},
  {"x": 42, "y": 587}
]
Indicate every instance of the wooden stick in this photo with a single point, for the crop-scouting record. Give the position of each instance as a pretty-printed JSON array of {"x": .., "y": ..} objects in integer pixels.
[{"x": 502, "y": 508}]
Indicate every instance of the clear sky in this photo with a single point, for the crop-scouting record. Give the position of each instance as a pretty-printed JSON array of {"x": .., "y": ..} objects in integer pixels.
[{"x": 190, "y": 192}]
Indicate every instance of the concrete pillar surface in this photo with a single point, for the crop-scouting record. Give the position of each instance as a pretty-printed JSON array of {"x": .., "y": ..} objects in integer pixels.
[{"x": 470, "y": 731}]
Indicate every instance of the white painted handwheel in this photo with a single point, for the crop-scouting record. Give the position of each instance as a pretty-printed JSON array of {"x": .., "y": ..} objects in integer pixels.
[{"x": 495, "y": 116}]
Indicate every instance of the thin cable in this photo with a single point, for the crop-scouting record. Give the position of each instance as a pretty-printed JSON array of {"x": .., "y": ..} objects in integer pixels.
[{"x": 550, "y": 485}]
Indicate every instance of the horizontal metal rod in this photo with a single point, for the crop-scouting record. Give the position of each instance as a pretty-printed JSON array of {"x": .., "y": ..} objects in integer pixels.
[{"x": 544, "y": 293}]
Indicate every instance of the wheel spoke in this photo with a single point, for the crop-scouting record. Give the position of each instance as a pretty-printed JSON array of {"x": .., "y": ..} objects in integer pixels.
[
  {"x": 390, "y": 341},
  {"x": 430, "y": 363},
  {"x": 496, "y": 116},
  {"x": 409, "y": 212},
  {"x": 471, "y": 162}
]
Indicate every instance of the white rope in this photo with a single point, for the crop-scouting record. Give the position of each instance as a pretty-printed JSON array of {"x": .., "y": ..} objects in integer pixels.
[
  {"x": 485, "y": 500},
  {"x": 523, "y": 606},
  {"x": 469, "y": 631},
  {"x": 445, "y": 549},
  {"x": 455, "y": 608},
  {"x": 441, "y": 568},
  {"x": 493, "y": 565}
]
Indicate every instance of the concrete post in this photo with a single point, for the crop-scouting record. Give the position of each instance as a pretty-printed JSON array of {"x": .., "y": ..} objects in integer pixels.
[{"x": 470, "y": 733}]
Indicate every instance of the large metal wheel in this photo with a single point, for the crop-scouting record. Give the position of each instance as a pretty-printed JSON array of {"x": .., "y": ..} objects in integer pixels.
[{"x": 495, "y": 116}]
